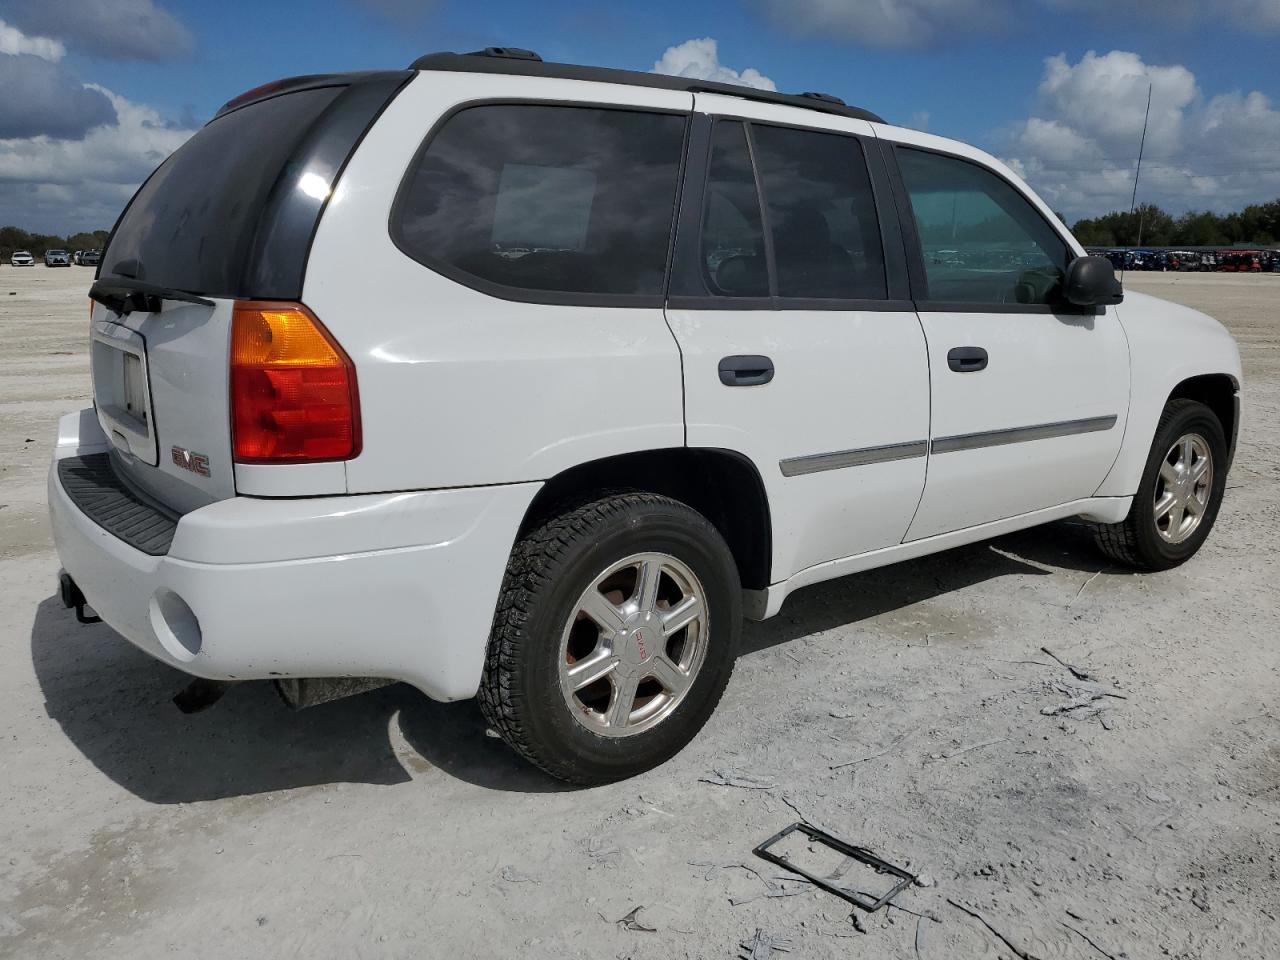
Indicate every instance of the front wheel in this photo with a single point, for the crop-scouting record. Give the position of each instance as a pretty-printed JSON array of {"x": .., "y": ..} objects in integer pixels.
[
  {"x": 615, "y": 636},
  {"x": 1180, "y": 493}
]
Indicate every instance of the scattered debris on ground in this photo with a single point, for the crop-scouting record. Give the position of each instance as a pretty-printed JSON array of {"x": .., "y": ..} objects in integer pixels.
[
  {"x": 888, "y": 749},
  {"x": 722, "y": 779},
  {"x": 949, "y": 754},
  {"x": 762, "y": 946},
  {"x": 632, "y": 922},
  {"x": 1081, "y": 590},
  {"x": 514, "y": 876},
  {"x": 1018, "y": 951},
  {"x": 1078, "y": 672}
]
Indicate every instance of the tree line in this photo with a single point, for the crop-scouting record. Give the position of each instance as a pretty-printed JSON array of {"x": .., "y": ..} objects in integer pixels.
[
  {"x": 15, "y": 238},
  {"x": 1256, "y": 225}
]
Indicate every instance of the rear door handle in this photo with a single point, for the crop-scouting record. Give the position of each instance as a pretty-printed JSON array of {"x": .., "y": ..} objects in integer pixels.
[
  {"x": 745, "y": 371},
  {"x": 967, "y": 359}
]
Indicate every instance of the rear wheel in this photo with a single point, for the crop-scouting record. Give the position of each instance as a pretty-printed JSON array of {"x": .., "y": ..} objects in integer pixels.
[
  {"x": 614, "y": 639},
  {"x": 1180, "y": 493}
]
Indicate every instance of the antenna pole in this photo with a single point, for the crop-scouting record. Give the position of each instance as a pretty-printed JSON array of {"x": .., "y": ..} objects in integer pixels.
[{"x": 1142, "y": 146}]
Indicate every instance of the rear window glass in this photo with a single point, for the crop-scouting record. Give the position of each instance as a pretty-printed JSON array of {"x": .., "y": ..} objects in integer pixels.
[
  {"x": 573, "y": 200},
  {"x": 192, "y": 224}
]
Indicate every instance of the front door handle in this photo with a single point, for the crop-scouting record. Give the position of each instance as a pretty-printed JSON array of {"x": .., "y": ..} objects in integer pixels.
[
  {"x": 745, "y": 371},
  {"x": 967, "y": 359}
]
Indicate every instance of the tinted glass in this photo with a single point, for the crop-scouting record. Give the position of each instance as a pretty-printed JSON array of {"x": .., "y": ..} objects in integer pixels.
[
  {"x": 191, "y": 225},
  {"x": 983, "y": 241},
  {"x": 733, "y": 258},
  {"x": 565, "y": 199},
  {"x": 822, "y": 215}
]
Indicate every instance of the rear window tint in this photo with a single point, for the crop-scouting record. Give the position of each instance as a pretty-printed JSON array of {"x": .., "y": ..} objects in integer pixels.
[
  {"x": 733, "y": 260},
  {"x": 192, "y": 224},
  {"x": 564, "y": 200},
  {"x": 822, "y": 214}
]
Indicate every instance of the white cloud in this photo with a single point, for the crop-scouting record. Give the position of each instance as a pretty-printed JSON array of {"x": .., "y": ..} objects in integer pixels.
[
  {"x": 112, "y": 29},
  {"x": 65, "y": 185},
  {"x": 1079, "y": 149},
  {"x": 42, "y": 97},
  {"x": 700, "y": 59},
  {"x": 14, "y": 41}
]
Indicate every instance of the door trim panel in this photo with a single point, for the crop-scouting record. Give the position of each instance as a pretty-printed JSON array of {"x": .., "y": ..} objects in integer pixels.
[
  {"x": 819, "y": 462},
  {"x": 1040, "y": 431}
]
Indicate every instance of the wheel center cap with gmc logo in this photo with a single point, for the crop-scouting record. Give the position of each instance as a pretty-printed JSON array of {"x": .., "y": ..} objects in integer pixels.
[{"x": 639, "y": 640}]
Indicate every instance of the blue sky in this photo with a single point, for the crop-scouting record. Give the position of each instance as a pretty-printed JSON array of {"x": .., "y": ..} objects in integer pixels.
[{"x": 1055, "y": 87}]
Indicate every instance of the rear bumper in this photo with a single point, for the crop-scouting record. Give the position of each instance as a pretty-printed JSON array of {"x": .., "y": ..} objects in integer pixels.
[{"x": 390, "y": 585}]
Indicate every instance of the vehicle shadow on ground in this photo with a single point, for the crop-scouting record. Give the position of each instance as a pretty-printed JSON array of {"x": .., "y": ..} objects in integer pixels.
[
  {"x": 114, "y": 702},
  {"x": 861, "y": 596}
]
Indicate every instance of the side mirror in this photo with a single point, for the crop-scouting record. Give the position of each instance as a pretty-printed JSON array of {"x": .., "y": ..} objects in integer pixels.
[{"x": 1091, "y": 282}]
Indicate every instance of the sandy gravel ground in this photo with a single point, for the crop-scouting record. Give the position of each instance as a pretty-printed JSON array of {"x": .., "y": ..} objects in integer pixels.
[{"x": 390, "y": 826}]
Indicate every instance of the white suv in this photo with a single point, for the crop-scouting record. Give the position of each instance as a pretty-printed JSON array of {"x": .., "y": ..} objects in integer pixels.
[{"x": 529, "y": 380}]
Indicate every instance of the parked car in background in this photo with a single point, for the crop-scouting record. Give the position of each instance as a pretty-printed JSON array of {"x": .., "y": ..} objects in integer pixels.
[
  {"x": 637, "y": 356},
  {"x": 20, "y": 258},
  {"x": 90, "y": 258},
  {"x": 57, "y": 258}
]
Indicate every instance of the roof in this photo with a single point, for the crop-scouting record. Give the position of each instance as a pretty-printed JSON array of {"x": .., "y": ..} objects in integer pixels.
[{"x": 519, "y": 62}]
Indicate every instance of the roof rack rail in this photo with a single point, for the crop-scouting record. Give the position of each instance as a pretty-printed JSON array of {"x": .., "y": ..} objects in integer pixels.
[
  {"x": 520, "y": 62},
  {"x": 506, "y": 53},
  {"x": 824, "y": 97}
]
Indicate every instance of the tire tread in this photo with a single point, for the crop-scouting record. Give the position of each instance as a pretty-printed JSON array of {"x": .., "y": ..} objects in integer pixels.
[
  {"x": 534, "y": 561},
  {"x": 1119, "y": 542}
]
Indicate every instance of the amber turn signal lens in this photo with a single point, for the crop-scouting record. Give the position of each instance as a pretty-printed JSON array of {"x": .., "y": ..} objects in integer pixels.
[{"x": 293, "y": 389}]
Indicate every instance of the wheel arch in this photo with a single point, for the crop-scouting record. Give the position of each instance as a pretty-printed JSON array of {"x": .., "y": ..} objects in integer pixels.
[
  {"x": 1220, "y": 392},
  {"x": 722, "y": 485}
]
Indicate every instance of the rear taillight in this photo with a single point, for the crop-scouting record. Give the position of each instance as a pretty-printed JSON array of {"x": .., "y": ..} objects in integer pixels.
[{"x": 293, "y": 389}]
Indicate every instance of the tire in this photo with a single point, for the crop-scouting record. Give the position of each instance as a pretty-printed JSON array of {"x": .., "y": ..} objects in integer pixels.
[
  {"x": 1138, "y": 540},
  {"x": 541, "y": 633}
]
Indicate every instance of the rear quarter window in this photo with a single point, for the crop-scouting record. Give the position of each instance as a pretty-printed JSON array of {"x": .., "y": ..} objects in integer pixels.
[{"x": 540, "y": 202}]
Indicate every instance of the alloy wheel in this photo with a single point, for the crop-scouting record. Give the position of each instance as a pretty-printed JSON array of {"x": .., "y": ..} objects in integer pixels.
[
  {"x": 633, "y": 645},
  {"x": 1183, "y": 487}
]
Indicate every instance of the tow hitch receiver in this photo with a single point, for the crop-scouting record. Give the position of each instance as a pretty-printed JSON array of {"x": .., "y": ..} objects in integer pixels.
[{"x": 72, "y": 598}]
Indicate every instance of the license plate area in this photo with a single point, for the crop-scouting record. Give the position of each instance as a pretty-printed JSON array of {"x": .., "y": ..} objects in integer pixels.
[{"x": 122, "y": 390}]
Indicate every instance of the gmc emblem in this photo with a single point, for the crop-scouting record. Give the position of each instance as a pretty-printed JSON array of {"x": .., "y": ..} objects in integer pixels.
[{"x": 197, "y": 463}]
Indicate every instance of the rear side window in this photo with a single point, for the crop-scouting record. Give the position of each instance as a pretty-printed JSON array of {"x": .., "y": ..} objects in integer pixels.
[
  {"x": 192, "y": 224},
  {"x": 981, "y": 239},
  {"x": 733, "y": 256},
  {"x": 550, "y": 199},
  {"x": 822, "y": 215}
]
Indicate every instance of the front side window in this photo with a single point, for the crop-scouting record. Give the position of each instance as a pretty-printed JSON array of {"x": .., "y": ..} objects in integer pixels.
[
  {"x": 568, "y": 199},
  {"x": 822, "y": 215},
  {"x": 981, "y": 239}
]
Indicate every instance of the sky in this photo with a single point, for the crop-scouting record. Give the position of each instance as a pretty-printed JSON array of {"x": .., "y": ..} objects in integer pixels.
[{"x": 95, "y": 93}]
